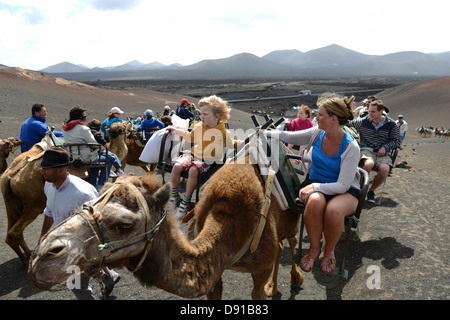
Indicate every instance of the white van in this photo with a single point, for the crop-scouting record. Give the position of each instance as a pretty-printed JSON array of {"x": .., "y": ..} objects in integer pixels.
[{"x": 304, "y": 92}]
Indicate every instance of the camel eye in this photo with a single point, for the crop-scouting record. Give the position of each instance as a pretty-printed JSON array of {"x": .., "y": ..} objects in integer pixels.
[{"x": 122, "y": 227}]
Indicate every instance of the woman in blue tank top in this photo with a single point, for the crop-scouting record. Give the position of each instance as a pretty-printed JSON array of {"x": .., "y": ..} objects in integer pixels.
[
  {"x": 326, "y": 168},
  {"x": 332, "y": 190}
]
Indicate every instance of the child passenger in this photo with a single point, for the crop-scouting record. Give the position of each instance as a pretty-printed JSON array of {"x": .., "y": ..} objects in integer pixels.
[{"x": 208, "y": 139}]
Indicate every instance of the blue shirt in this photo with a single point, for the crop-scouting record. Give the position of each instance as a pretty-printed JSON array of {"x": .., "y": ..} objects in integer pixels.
[
  {"x": 107, "y": 124},
  {"x": 33, "y": 130},
  {"x": 184, "y": 112},
  {"x": 71, "y": 195},
  {"x": 150, "y": 126},
  {"x": 324, "y": 168}
]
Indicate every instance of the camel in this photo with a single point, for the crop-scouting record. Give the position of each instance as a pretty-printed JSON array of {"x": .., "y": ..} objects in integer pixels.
[
  {"x": 6, "y": 146},
  {"x": 22, "y": 187},
  {"x": 124, "y": 146},
  {"x": 220, "y": 235},
  {"x": 23, "y": 192}
]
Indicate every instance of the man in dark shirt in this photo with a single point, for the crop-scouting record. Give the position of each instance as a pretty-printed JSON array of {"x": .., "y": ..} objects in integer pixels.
[{"x": 184, "y": 110}]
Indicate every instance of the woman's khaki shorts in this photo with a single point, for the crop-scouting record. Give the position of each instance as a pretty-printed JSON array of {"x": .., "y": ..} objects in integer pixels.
[{"x": 368, "y": 154}]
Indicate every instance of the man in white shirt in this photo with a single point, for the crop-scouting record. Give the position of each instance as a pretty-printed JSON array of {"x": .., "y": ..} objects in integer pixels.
[
  {"x": 66, "y": 193},
  {"x": 402, "y": 126}
]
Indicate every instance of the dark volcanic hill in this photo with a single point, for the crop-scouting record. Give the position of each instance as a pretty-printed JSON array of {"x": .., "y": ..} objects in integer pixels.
[{"x": 329, "y": 61}]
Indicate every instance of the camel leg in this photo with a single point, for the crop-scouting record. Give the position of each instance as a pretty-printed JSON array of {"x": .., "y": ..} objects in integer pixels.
[
  {"x": 259, "y": 280},
  {"x": 16, "y": 242},
  {"x": 271, "y": 287},
  {"x": 296, "y": 275},
  {"x": 15, "y": 239},
  {"x": 216, "y": 293}
]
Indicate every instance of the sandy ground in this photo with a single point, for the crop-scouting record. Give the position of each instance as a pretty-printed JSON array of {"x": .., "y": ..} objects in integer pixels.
[{"x": 405, "y": 239}]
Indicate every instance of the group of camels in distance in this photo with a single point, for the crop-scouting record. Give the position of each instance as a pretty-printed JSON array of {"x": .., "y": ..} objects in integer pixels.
[
  {"x": 189, "y": 265},
  {"x": 427, "y": 132}
]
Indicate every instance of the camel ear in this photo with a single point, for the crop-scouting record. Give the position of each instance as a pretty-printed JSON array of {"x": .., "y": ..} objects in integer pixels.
[{"x": 163, "y": 193}]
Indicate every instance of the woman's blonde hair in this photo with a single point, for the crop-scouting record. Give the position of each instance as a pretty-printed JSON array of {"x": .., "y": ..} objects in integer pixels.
[
  {"x": 218, "y": 105},
  {"x": 335, "y": 105}
]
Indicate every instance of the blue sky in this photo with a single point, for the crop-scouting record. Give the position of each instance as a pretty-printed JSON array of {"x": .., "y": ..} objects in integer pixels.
[{"x": 37, "y": 34}]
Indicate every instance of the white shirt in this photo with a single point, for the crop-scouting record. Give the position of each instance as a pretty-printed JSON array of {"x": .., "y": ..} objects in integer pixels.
[
  {"x": 72, "y": 194},
  {"x": 402, "y": 127},
  {"x": 81, "y": 134}
]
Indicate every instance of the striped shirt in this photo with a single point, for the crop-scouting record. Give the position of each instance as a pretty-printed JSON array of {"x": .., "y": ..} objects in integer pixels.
[{"x": 387, "y": 135}]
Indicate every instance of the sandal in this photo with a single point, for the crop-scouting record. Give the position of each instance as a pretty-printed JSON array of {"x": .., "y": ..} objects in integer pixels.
[
  {"x": 306, "y": 262},
  {"x": 328, "y": 265}
]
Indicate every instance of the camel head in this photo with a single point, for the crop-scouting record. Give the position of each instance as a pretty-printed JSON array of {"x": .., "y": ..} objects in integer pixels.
[
  {"x": 7, "y": 145},
  {"x": 117, "y": 226},
  {"x": 117, "y": 129}
]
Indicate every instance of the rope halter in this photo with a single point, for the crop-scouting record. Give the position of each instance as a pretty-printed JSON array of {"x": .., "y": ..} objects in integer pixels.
[{"x": 93, "y": 216}]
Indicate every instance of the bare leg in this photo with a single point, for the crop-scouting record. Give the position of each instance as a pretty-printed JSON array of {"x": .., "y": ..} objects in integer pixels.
[
  {"x": 383, "y": 172},
  {"x": 313, "y": 216},
  {"x": 192, "y": 181},
  {"x": 337, "y": 209},
  {"x": 175, "y": 175},
  {"x": 368, "y": 165}
]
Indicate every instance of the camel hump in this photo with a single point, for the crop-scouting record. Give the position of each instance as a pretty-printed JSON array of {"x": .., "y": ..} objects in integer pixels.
[{"x": 235, "y": 182}]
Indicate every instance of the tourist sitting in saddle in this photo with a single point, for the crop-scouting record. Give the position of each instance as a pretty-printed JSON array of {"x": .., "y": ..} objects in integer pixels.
[
  {"x": 379, "y": 135},
  {"x": 113, "y": 160},
  {"x": 77, "y": 132},
  {"x": 184, "y": 110},
  {"x": 34, "y": 128},
  {"x": 149, "y": 125},
  {"x": 166, "y": 111},
  {"x": 113, "y": 116},
  {"x": 302, "y": 122},
  {"x": 208, "y": 139},
  {"x": 331, "y": 189}
]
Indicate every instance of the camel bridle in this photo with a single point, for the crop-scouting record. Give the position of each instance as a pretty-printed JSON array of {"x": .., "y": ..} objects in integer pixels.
[{"x": 92, "y": 215}]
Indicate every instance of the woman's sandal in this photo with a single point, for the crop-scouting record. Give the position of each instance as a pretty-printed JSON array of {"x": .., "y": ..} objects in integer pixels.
[
  {"x": 306, "y": 262},
  {"x": 327, "y": 265}
]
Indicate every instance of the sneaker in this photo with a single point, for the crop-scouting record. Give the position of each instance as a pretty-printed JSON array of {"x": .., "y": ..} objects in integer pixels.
[
  {"x": 174, "y": 200},
  {"x": 182, "y": 210},
  {"x": 120, "y": 173},
  {"x": 112, "y": 174},
  {"x": 108, "y": 287},
  {"x": 371, "y": 196}
]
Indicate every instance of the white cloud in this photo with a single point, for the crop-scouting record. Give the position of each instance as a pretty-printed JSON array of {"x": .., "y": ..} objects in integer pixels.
[{"x": 106, "y": 5}]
